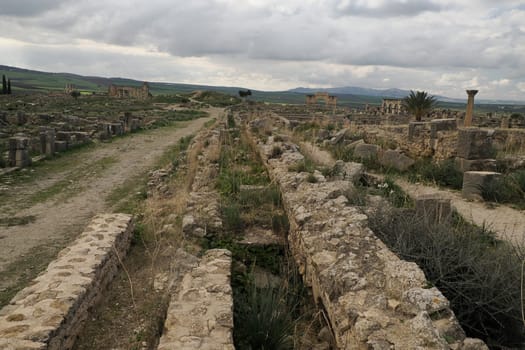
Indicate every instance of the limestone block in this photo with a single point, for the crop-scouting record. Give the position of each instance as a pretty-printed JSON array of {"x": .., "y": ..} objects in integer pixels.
[
  {"x": 396, "y": 160},
  {"x": 338, "y": 136},
  {"x": 22, "y": 158},
  {"x": 430, "y": 300},
  {"x": 415, "y": 129},
  {"x": 49, "y": 313},
  {"x": 366, "y": 151},
  {"x": 347, "y": 171},
  {"x": 425, "y": 334},
  {"x": 60, "y": 146},
  {"x": 402, "y": 276},
  {"x": 476, "y": 164},
  {"x": 434, "y": 208},
  {"x": 200, "y": 315},
  {"x": 474, "y": 143},
  {"x": 442, "y": 125},
  {"x": 473, "y": 344},
  {"x": 474, "y": 181}
]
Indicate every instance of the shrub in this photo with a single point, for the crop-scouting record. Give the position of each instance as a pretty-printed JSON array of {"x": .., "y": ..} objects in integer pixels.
[
  {"x": 311, "y": 178},
  {"x": 276, "y": 152},
  {"x": 445, "y": 173},
  {"x": 479, "y": 275},
  {"x": 509, "y": 188},
  {"x": 231, "y": 121},
  {"x": 231, "y": 216}
]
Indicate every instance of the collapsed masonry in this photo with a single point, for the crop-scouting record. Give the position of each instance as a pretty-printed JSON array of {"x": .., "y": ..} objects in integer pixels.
[{"x": 373, "y": 299}]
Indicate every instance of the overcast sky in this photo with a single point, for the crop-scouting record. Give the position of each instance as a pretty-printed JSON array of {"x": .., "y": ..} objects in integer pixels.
[{"x": 441, "y": 46}]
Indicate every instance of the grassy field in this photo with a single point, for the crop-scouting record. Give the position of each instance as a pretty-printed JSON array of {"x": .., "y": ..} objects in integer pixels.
[{"x": 29, "y": 81}]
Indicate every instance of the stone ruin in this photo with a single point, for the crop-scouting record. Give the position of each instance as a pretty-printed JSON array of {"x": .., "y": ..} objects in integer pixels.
[
  {"x": 372, "y": 299},
  {"x": 328, "y": 100},
  {"x": 140, "y": 93},
  {"x": 392, "y": 106},
  {"x": 47, "y": 134}
]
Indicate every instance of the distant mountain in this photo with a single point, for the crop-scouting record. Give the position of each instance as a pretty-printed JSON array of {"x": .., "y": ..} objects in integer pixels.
[
  {"x": 30, "y": 81},
  {"x": 354, "y": 90}
]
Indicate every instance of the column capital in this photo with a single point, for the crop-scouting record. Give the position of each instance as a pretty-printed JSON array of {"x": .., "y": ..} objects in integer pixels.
[{"x": 472, "y": 92}]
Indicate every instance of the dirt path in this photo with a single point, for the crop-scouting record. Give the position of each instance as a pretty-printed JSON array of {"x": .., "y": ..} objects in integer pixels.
[
  {"x": 507, "y": 223},
  {"x": 59, "y": 219}
]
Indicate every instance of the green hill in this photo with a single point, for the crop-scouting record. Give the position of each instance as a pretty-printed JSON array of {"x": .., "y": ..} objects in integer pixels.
[{"x": 30, "y": 81}]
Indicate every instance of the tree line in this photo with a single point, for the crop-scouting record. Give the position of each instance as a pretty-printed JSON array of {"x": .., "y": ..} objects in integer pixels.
[{"x": 6, "y": 86}]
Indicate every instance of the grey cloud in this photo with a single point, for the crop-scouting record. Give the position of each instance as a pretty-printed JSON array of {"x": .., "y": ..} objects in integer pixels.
[
  {"x": 387, "y": 8},
  {"x": 25, "y": 8}
]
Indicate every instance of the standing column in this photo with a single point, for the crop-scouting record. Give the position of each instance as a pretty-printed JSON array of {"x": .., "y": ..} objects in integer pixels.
[{"x": 470, "y": 107}]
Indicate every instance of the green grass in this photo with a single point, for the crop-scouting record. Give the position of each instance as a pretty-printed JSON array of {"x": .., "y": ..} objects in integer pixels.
[{"x": 17, "y": 220}]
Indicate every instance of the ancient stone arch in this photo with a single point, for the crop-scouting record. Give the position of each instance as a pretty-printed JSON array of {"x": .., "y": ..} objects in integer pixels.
[
  {"x": 328, "y": 99},
  {"x": 392, "y": 106},
  {"x": 141, "y": 93}
]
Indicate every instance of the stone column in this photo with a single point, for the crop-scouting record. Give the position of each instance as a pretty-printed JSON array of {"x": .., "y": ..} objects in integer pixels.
[{"x": 470, "y": 107}]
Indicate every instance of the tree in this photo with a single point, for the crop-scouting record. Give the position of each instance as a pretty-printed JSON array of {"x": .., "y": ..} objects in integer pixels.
[
  {"x": 246, "y": 93},
  {"x": 419, "y": 103},
  {"x": 4, "y": 85},
  {"x": 9, "y": 86},
  {"x": 75, "y": 94}
]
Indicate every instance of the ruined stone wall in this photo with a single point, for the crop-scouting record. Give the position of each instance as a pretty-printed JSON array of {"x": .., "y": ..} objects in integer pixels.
[
  {"x": 200, "y": 316},
  {"x": 203, "y": 207},
  {"x": 50, "y": 312},
  {"x": 373, "y": 299},
  {"x": 141, "y": 93}
]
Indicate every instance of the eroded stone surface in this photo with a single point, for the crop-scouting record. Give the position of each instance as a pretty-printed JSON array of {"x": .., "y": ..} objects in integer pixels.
[
  {"x": 49, "y": 313},
  {"x": 373, "y": 299},
  {"x": 200, "y": 315}
]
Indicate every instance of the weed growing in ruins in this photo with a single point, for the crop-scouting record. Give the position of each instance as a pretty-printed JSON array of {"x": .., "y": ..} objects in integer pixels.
[
  {"x": 304, "y": 166},
  {"x": 393, "y": 193},
  {"x": 479, "y": 275},
  {"x": 445, "y": 173},
  {"x": 276, "y": 152},
  {"x": 509, "y": 188}
]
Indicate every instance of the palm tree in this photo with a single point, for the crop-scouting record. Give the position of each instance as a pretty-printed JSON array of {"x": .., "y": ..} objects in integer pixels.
[{"x": 419, "y": 103}]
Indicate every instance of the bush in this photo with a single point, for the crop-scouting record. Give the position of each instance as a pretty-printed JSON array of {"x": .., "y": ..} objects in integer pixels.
[
  {"x": 276, "y": 152},
  {"x": 479, "y": 275},
  {"x": 509, "y": 188},
  {"x": 231, "y": 216},
  {"x": 231, "y": 121},
  {"x": 445, "y": 173}
]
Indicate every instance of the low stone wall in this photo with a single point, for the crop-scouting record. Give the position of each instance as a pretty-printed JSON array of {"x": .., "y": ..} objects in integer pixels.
[
  {"x": 200, "y": 315},
  {"x": 373, "y": 299},
  {"x": 203, "y": 209},
  {"x": 50, "y": 312}
]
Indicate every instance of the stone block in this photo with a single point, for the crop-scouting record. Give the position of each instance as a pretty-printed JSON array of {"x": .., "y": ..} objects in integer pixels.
[
  {"x": 70, "y": 286},
  {"x": 474, "y": 143},
  {"x": 117, "y": 129},
  {"x": 433, "y": 208},
  {"x": 60, "y": 146},
  {"x": 396, "y": 160},
  {"x": 442, "y": 125},
  {"x": 415, "y": 129},
  {"x": 366, "y": 151},
  {"x": 474, "y": 181},
  {"x": 476, "y": 164},
  {"x": 22, "y": 158},
  {"x": 347, "y": 171}
]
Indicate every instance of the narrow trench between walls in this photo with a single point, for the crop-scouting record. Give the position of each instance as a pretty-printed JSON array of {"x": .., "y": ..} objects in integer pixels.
[{"x": 273, "y": 309}]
